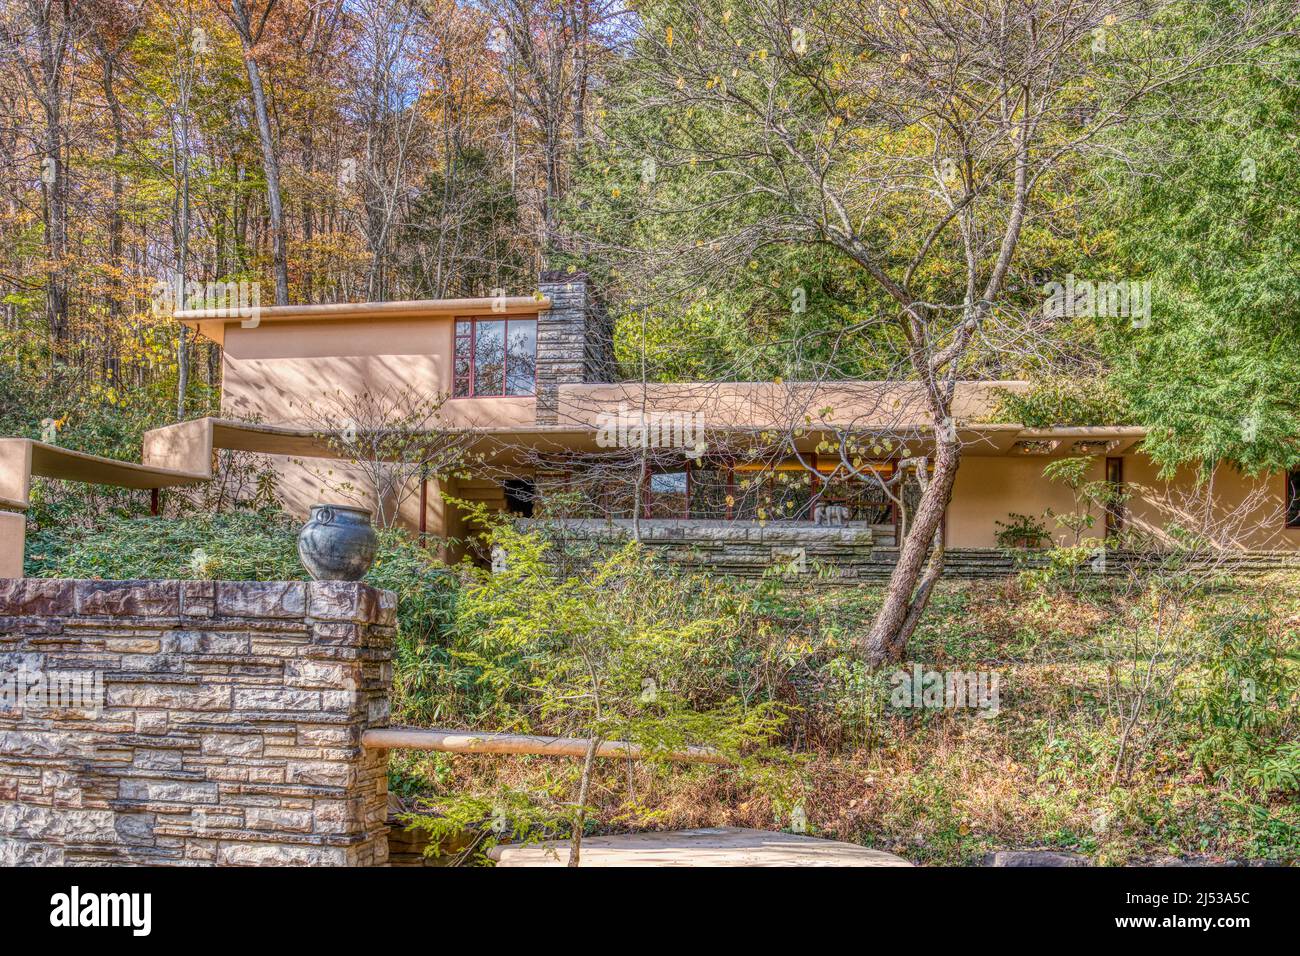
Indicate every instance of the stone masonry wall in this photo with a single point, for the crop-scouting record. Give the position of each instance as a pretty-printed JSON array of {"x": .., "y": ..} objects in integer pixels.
[
  {"x": 575, "y": 341},
  {"x": 229, "y": 732}
]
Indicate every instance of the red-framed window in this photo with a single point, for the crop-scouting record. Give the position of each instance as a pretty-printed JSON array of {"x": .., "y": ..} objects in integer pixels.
[
  {"x": 496, "y": 355},
  {"x": 668, "y": 492},
  {"x": 1115, "y": 510},
  {"x": 1293, "y": 498}
]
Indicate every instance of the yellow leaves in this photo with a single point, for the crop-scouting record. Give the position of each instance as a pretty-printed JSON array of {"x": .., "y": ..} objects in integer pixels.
[
  {"x": 835, "y": 122},
  {"x": 905, "y": 58},
  {"x": 731, "y": 501},
  {"x": 726, "y": 16},
  {"x": 681, "y": 82},
  {"x": 616, "y": 192},
  {"x": 668, "y": 36},
  {"x": 1110, "y": 20},
  {"x": 902, "y": 13}
]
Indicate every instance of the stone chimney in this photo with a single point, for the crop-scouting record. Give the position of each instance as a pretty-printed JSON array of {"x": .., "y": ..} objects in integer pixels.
[{"x": 575, "y": 341}]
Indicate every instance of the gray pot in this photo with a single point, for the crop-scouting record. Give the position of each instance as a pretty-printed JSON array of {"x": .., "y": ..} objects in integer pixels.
[{"x": 337, "y": 543}]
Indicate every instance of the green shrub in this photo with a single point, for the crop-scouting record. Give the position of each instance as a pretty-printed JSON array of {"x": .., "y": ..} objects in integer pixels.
[
  {"x": 620, "y": 651},
  {"x": 262, "y": 546},
  {"x": 1246, "y": 705}
]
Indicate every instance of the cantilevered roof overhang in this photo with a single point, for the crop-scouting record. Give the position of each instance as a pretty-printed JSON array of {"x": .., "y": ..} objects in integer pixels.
[
  {"x": 23, "y": 458},
  {"x": 211, "y": 323},
  {"x": 180, "y": 448}
]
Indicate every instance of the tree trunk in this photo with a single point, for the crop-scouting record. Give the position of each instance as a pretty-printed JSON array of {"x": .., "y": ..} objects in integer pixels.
[
  {"x": 913, "y": 578},
  {"x": 580, "y": 815},
  {"x": 270, "y": 164},
  {"x": 115, "y": 257},
  {"x": 54, "y": 31}
]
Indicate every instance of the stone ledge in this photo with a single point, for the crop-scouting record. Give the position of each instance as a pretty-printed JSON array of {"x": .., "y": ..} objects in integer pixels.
[{"x": 350, "y": 601}]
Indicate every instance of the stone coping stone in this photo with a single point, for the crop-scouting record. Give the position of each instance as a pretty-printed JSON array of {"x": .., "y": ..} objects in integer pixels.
[
  {"x": 345, "y": 601},
  {"x": 712, "y": 846},
  {"x": 687, "y": 529}
]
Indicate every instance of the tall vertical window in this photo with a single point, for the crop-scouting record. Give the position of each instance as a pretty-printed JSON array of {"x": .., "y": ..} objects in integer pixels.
[
  {"x": 1293, "y": 499},
  {"x": 1115, "y": 507},
  {"x": 496, "y": 357}
]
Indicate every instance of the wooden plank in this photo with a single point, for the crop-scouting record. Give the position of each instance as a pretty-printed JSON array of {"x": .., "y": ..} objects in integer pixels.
[
  {"x": 714, "y": 846},
  {"x": 469, "y": 742}
]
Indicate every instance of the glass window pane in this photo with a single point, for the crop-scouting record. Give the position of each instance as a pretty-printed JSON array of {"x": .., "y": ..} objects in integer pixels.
[
  {"x": 863, "y": 497},
  {"x": 792, "y": 495},
  {"x": 668, "y": 494},
  {"x": 463, "y": 355},
  {"x": 489, "y": 357},
  {"x": 709, "y": 490},
  {"x": 521, "y": 358},
  {"x": 752, "y": 495}
]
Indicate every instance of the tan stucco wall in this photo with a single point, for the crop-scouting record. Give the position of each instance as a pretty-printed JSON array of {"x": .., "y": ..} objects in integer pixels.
[
  {"x": 277, "y": 370},
  {"x": 1253, "y": 508},
  {"x": 988, "y": 489}
]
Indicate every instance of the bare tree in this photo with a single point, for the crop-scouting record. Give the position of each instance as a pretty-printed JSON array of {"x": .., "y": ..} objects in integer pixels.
[
  {"x": 916, "y": 142},
  {"x": 388, "y": 84},
  {"x": 1197, "y": 543},
  {"x": 116, "y": 26},
  {"x": 250, "y": 24},
  {"x": 550, "y": 52},
  {"x": 394, "y": 438},
  {"x": 39, "y": 38}
]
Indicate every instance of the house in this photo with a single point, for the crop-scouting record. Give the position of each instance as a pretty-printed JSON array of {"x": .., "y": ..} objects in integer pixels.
[
  {"x": 739, "y": 475},
  {"x": 533, "y": 376}
]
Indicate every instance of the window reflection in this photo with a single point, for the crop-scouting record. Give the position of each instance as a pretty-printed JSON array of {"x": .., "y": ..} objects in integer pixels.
[
  {"x": 521, "y": 357},
  {"x": 489, "y": 357},
  {"x": 668, "y": 494},
  {"x": 495, "y": 357}
]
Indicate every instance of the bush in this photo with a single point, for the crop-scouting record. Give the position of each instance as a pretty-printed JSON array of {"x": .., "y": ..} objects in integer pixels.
[{"x": 261, "y": 546}]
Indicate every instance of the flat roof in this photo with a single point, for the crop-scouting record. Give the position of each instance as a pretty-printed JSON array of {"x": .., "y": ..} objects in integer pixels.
[{"x": 212, "y": 323}]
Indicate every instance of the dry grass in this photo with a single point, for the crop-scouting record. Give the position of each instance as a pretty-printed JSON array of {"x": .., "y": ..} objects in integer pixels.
[{"x": 944, "y": 786}]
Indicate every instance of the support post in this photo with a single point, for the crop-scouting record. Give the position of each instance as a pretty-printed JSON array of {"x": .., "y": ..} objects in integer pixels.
[
  {"x": 424, "y": 507},
  {"x": 13, "y": 539}
]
